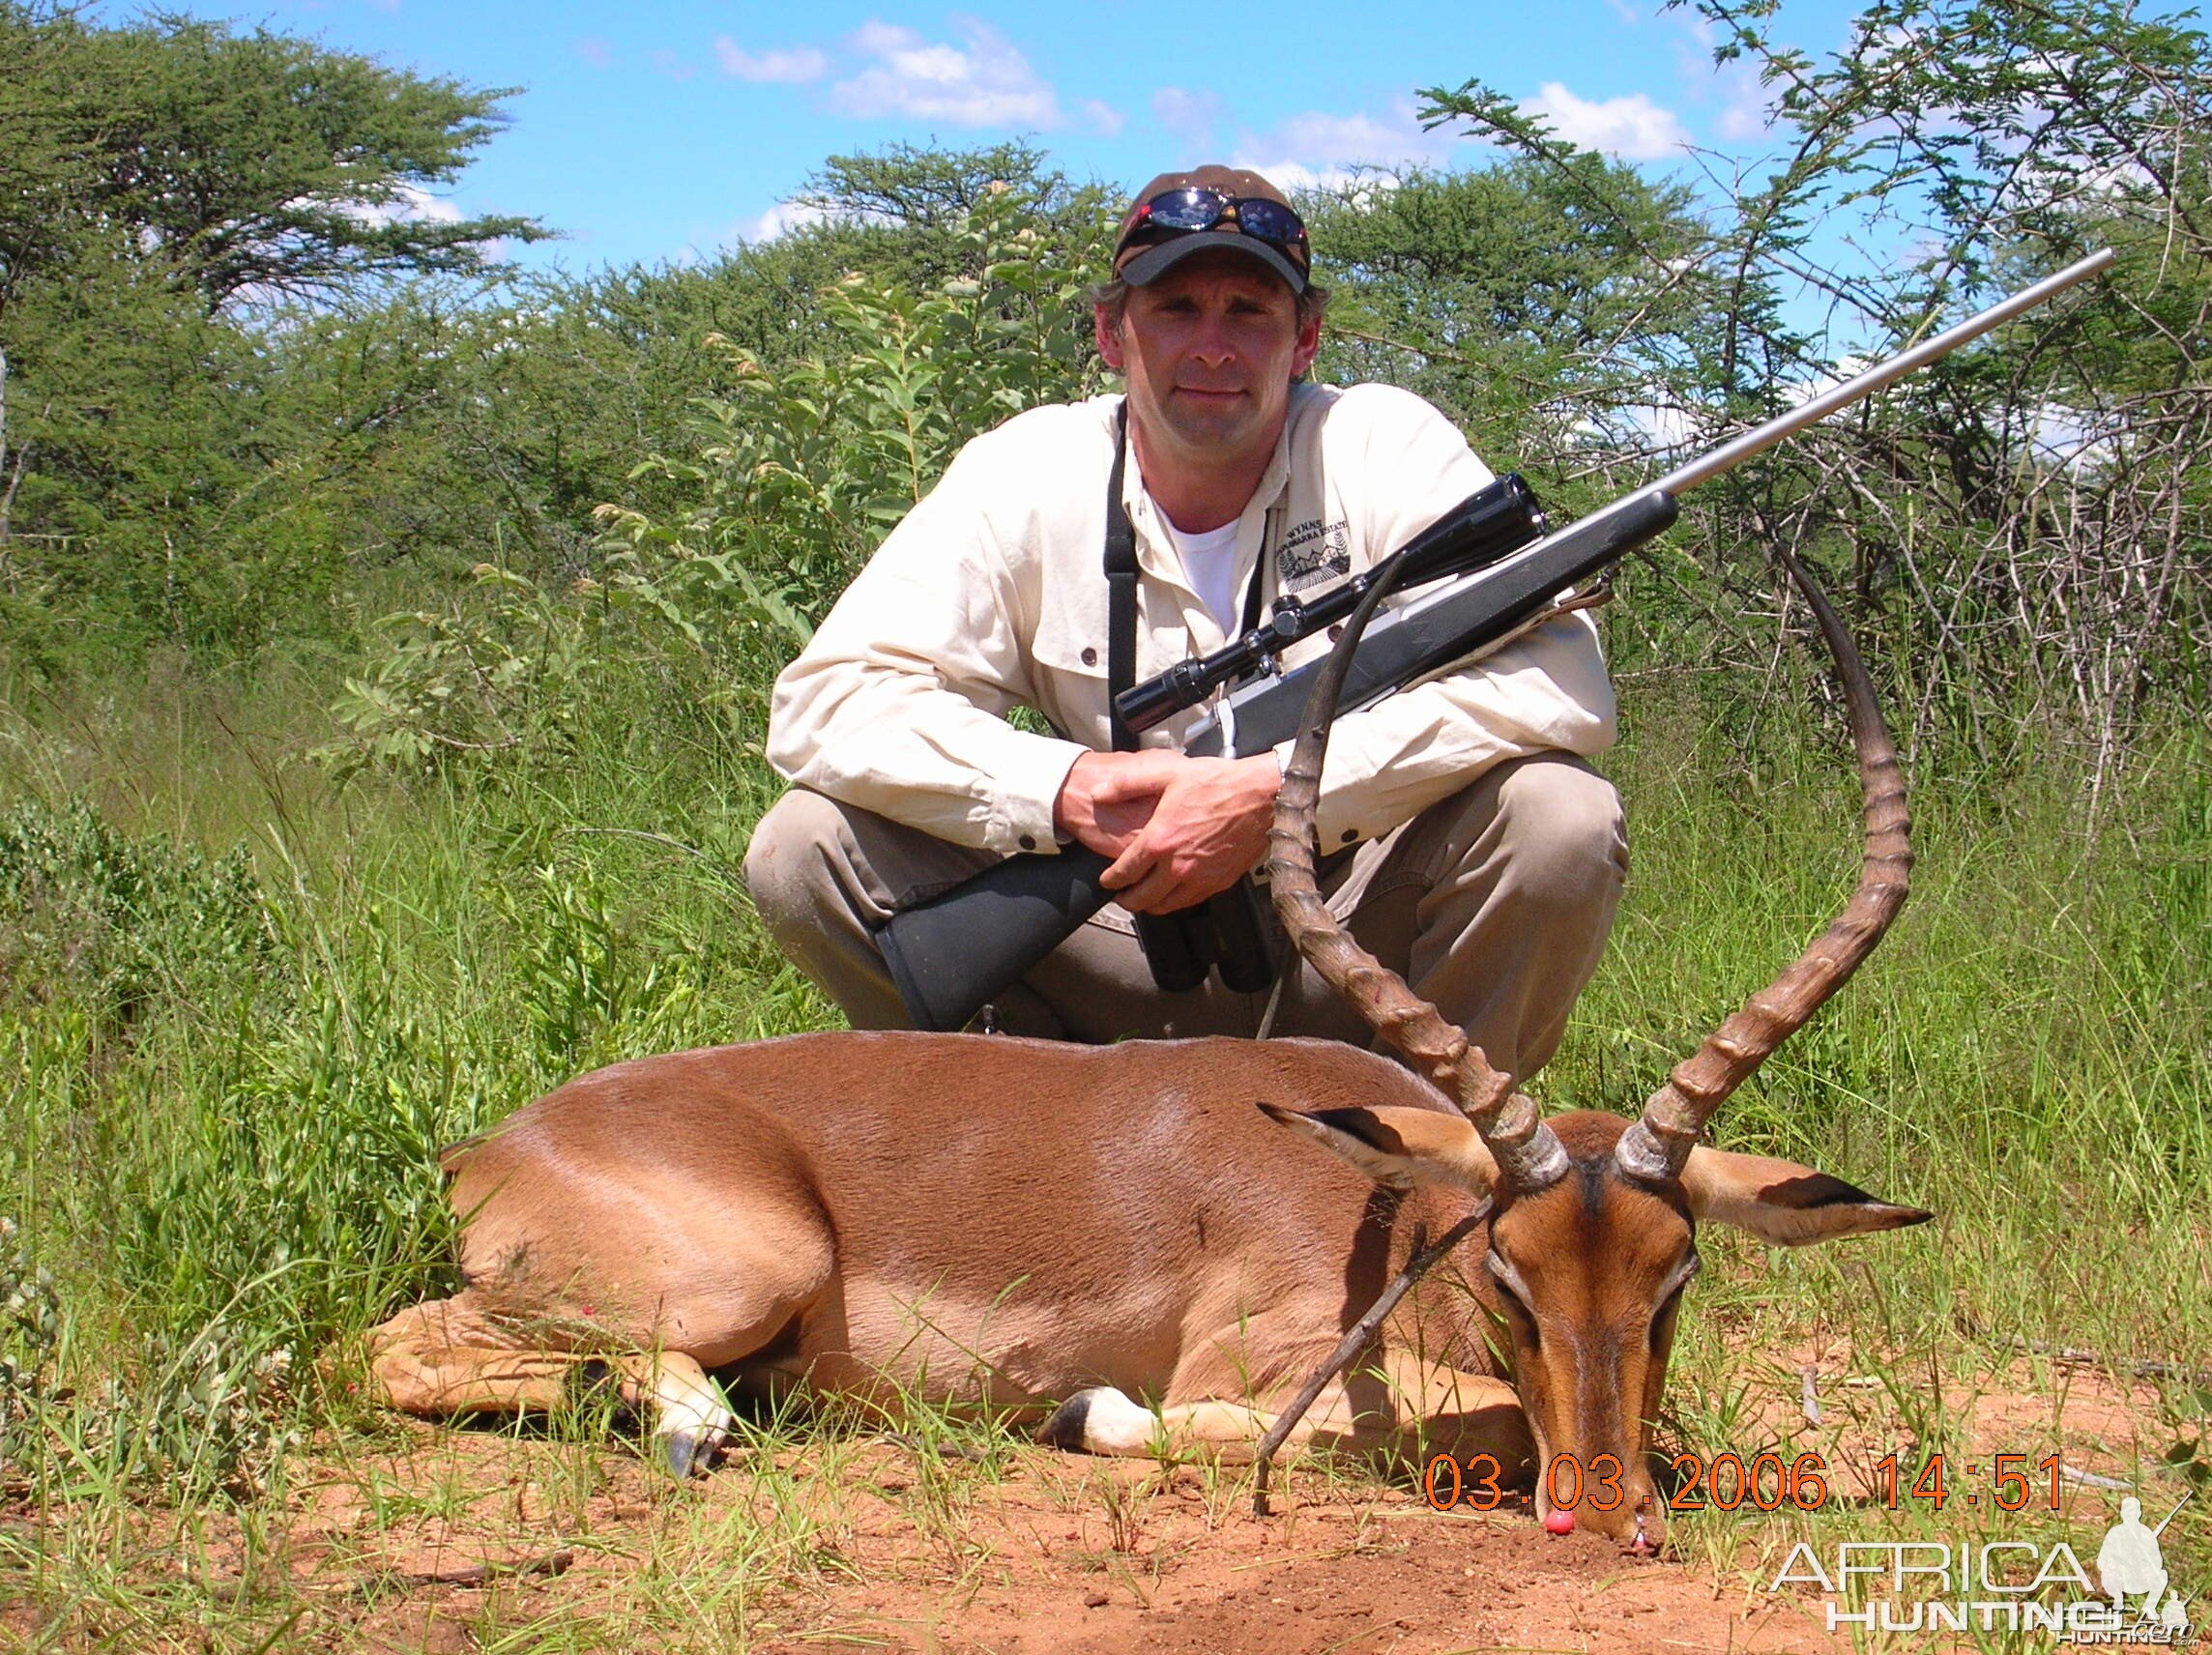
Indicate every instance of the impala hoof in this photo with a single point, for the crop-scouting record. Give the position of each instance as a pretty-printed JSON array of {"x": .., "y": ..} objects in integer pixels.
[
  {"x": 1101, "y": 1420},
  {"x": 686, "y": 1454},
  {"x": 1064, "y": 1428}
]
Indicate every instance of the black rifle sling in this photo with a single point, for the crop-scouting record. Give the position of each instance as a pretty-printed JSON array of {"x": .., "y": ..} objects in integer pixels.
[
  {"x": 1120, "y": 588},
  {"x": 1178, "y": 959}
]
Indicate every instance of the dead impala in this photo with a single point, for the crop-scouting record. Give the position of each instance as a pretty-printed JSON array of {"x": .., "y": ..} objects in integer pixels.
[{"x": 1116, "y": 1241}]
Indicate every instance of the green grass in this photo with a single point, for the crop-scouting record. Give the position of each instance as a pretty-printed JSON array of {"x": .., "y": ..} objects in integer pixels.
[{"x": 240, "y": 1007}]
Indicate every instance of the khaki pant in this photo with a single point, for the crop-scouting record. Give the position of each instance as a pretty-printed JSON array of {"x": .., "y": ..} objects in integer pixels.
[{"x": 1493, "y": 904}]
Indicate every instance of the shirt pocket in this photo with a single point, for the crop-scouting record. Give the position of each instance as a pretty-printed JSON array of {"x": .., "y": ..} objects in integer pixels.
[{"x": 1069, "y": 675}]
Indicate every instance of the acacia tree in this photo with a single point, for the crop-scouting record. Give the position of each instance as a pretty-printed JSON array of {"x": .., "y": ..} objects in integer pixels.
[
  {"x": 2030, "y": 515},
  {"x": 241, "y": 165},
  {"x": 788, "y": 480},
  {"x": 161, "y": 179},
  {"x": 1506, "y": 297}
]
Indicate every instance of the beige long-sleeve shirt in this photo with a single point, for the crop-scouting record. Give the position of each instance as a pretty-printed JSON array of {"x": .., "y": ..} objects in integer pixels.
[{"x": 990, "y": 595}]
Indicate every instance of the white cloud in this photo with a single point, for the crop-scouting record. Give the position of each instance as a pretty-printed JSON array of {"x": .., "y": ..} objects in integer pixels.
[
  {"x": 412, "y": 205},
  {"x": 2098, "y": 184},
  {"x": 1320, "y": 150},
  {"x": 984, "y": 81},
  {"x": 674, "y": 66},
  {"x": 1732, "y": 89},
  {"x": 1631, "y": 127},
  {"x": 791, "y": 67},
  {"x": 1650, "y": 428},
  {"x": 2075, "y": 439},
  {"x": 779, "y": 220},
  {"x": 1189, "y": 115},
  {"x": 1101, "y": 117},
  {"x": 1290, "y": 175},
  {"x": 596, "y": 52},
  {"x": 1393, "y": 138},
  {"x": 416, "y": 202},
  {"x": 1742, "y": 117}
]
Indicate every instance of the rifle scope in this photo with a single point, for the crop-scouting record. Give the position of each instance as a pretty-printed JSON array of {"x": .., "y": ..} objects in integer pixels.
[{"x": 1485, "y": 526}]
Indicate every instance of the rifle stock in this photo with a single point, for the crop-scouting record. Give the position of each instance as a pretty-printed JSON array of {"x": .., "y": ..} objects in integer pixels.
[
  {"x": 949, "y": 956},
  {"x": 1431, "y": 632}
]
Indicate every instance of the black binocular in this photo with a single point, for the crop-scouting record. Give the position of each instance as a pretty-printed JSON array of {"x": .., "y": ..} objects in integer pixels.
[{"x": 1234, "y": 931}]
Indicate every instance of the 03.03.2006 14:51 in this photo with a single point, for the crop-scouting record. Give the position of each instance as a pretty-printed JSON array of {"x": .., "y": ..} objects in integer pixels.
[{"x": 1764, "y": 1482}]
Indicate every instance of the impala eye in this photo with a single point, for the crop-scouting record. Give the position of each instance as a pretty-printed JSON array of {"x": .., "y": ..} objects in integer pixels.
[{"x": 1512, "y": 1292}]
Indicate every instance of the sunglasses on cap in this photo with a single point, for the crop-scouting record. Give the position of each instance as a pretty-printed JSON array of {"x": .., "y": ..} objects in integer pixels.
[{"x": 1195, "y": 207}]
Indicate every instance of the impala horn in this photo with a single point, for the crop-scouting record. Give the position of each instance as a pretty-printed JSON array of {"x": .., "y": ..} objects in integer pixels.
[
  {"x": 1655, "y": 1149},
  {"x": 1528, "y": 1152}
]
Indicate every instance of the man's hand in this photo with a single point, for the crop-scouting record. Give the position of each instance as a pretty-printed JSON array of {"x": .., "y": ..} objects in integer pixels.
[{"x": 1178, "y": 829}]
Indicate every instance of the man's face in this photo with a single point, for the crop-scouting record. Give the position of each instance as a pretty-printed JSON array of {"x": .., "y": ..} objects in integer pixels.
[{"x": 1208, "y": 352}]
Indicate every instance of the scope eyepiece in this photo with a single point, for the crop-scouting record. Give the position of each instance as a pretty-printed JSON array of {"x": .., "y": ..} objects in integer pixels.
[{"x": 1158, "y": 699}]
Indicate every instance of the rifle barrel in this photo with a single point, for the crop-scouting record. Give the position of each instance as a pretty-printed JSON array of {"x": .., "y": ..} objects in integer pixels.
[
  {"x": 1735, "y": 452},
  {"x": 2174, "y": 1513}
]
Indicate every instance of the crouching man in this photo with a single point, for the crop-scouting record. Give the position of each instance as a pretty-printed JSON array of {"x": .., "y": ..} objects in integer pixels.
[{"x": 1468, "y": 843}]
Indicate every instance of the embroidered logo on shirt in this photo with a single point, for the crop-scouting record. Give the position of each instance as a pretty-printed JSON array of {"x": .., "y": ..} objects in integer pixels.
[{"x": 1312, "y": 553}]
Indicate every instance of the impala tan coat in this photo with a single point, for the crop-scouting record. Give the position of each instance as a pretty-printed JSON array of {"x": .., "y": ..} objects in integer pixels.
[{"x": 842, "y": 1211}]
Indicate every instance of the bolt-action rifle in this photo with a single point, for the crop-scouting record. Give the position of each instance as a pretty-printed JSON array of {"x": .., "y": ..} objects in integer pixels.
[{"x": 1492, "y": 570}]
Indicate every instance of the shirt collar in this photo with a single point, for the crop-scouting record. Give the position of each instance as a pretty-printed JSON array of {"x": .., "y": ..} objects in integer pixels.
[{"x": 1156, "y": 554}]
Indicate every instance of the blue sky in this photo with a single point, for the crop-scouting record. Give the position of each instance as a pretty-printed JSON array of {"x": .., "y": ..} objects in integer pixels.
[{"x": 660, "y": 131}]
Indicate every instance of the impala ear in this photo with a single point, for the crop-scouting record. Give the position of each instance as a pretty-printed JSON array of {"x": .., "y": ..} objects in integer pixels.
[
  {"x": 1398, "y": 1148},
  {"x": 1783, "y": 1204}
]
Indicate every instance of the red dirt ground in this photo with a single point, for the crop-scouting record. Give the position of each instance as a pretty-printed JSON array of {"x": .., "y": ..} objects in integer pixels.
[
  {"x": 1047, "y": 1552},
  {"x": 1080, "y": 1558}
]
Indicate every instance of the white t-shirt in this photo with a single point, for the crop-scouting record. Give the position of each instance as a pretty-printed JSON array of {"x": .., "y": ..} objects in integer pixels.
[{"x": 1210, "y": 560}]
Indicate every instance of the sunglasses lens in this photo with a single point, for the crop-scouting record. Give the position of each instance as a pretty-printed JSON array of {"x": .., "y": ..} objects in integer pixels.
[
  {"x": 1195, "y": 207},
  {"x": 1191, "y": 209},
  {"x": 1271, "y": 221}
]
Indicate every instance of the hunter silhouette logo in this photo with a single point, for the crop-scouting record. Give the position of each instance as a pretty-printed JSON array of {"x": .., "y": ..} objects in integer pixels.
[{"x": 2131, "y": 1564}]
